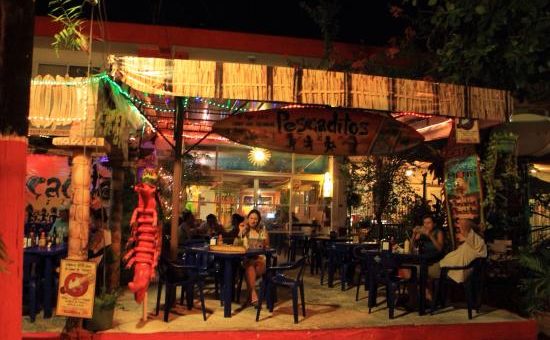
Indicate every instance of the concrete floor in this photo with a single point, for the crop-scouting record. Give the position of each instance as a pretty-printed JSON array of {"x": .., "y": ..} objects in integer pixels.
[{"x": 325, "y": 308}]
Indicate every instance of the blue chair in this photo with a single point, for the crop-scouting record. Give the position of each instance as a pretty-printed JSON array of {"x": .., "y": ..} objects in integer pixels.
[
  {"x": 385, "y": 269},
  {"x": 473, "y": 286},
  {"x": 275, "y": 277},
  {"x": 172, "y": 275}
]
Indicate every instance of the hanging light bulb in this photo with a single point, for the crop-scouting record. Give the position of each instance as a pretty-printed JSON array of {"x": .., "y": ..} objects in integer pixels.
[{"x": 258, "y": 156}]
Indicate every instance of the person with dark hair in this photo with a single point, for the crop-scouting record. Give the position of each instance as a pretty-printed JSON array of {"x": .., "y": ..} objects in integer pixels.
[
  {"x": 230, "y": 235},
  {"x": 429, "y": 237},
  {"x": 253, "y": 235},
  {"x": 187, "y": 227},
  {"x": 210, "y": 227}
]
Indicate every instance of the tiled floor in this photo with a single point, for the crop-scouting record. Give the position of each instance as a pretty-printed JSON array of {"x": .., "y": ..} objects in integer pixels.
[{"x": 326, "y": 308}]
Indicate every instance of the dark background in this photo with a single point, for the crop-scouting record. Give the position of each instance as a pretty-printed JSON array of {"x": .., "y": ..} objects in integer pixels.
[{"x": 368, "y": 22}]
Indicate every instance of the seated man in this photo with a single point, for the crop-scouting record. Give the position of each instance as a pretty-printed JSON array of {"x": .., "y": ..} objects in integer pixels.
[
  {"x": 211, "y": 227},
  {"x": 472, "y": 247}
]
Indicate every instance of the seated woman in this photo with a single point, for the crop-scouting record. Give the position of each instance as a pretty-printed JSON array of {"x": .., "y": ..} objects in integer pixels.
[
  {"x": 252, "y": 235},
  {"x": 230, "y": 235},
  {"x": 431, "y": 241}
]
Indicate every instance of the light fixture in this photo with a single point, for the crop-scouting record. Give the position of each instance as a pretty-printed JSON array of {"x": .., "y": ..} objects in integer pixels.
[
  {"x": 408, "y": 172},
  {"x": 327, "y": 185},
  {"x": 259, "y": 157}
]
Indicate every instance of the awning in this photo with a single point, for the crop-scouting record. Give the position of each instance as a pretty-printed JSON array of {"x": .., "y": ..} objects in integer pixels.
[{"x": 218, "y": 80}]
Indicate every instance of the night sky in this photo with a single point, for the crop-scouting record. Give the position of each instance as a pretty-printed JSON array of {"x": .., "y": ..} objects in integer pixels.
[{"x": 367, "y": 22}]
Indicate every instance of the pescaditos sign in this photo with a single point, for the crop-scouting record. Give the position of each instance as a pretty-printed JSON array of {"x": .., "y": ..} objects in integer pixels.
[{"x": 331, "y": 131}]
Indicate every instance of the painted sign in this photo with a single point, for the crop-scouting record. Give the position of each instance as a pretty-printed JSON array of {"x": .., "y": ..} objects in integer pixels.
[
  {"x": 463, "y": 189},
  {"x": 467, "y": 131},
  {"x": 75, "y": 295},
  {"x": 318, "y": 131},
  {"x": 47, "y": 187}
]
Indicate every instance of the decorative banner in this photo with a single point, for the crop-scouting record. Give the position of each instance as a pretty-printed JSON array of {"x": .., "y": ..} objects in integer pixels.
[
  {"x": 467, "y": 131},
  {"x": 463, "y": 190},
  {"x": 47, "y": 187},
  {"x": 319, "y": 131},
  {"x": 75, "y": 295}
]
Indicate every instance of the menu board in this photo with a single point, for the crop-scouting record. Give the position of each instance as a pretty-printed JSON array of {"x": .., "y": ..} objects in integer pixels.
[
  {"x": 463, "y": 189},
  {"x": 75, "y": 295}
]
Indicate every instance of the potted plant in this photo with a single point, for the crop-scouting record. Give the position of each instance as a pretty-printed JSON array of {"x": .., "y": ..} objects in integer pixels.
[
  {"x": 104, "y": 309},
  {"x": 535, "y": 285}
]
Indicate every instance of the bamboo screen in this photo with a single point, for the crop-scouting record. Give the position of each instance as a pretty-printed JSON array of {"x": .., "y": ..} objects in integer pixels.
[
  {"x": 323, "y": 87},
  {"x": 262, "y": 83},
  {"x": 370, "y": 91},
  {"x": 193, "y": 78},
  {"x": 244, "y": 81},
  {"x": 59, "y": 101},
  {"x": 414, "y": 95},
  {"x": 283, "y": 84}
]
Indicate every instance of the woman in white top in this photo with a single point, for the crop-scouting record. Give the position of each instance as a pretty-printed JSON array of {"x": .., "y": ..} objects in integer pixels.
[{"x": 252, "y": 235}]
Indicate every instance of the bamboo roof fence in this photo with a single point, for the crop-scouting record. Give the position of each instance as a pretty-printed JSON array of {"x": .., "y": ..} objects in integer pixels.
[{"x": 210, "y": 79}]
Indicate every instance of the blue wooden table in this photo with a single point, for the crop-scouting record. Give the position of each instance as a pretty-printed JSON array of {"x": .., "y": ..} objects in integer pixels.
[
  {"x": 229, "y": 259},
  {"x": 49, "y": 257}
]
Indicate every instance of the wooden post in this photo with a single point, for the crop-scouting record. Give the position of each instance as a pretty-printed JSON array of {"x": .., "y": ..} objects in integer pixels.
[
  {"x": 176, "y": 187},
  {"x": 16, "y": 30}
]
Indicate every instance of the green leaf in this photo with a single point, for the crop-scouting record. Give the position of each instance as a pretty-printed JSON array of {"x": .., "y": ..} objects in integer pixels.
[
  {"x": 480, "y": 9},
  {"x": 432, "y": 2}
]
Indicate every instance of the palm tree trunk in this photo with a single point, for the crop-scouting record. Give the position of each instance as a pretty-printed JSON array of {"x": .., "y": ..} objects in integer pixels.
[
  {"x": 16, "y": 40},
  {"x": 117, "y": 188}
]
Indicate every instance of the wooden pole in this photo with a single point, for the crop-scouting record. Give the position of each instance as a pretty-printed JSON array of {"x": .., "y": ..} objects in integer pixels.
[
  {"x": 176, "y": 187},
  {"x": 115, "y": 216},
  {"x": 16, "y": 30}
]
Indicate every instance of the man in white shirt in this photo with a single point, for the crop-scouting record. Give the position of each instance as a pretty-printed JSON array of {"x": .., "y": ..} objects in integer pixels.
[{"x": 472, "y": 247}]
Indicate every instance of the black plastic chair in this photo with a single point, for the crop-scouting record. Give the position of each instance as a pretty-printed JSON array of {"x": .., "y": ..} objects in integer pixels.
[
  {"x": 361, "y": 259},
  {"x": 473, "y": 286},
  {"x": 172, "y": 275},
  {"x": 385, "y": 268},
  {"x": 275, "y": 277}
]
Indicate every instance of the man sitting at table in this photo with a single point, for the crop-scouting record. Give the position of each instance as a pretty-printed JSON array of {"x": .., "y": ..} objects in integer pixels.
[{"x": 472, "y": 246}]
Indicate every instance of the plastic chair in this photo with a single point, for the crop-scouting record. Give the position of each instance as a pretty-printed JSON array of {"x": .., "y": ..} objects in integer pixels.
[
  {"x": 172, "y": 275},
  {"x": 275, "y": 277},
  {"x": 473, "y": 286},
  {"x": 385, "y": 268}
]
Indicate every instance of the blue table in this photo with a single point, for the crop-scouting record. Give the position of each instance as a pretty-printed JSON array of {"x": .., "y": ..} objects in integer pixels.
[
  {"x": 423, "y": 261},
  {"x": 229, "y": 259},
  {"x": 49, "y": 256}
]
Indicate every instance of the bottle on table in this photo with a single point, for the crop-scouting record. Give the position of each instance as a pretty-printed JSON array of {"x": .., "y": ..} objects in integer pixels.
[
  {"x": 220, "y": 238},
  {"x": 385, "y": 244},
  {"x": 407, "y": 246},
  {"x": 42, "y": 242}
]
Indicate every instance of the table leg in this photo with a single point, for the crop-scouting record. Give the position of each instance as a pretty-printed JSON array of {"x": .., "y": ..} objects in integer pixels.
[
  {"x": 48, "y": 286},
  {"x": 343, "y": 272},
  {"x": 331, "y": 269},
  {"x": 227, "y": 287},
  {"x": 422, "y": 284}
]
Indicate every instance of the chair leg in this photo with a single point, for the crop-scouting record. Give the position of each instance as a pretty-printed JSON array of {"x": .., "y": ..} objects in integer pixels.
[
  {"x": 295, "y": 303},
  {"x": 189, "y": 295},
  {"x": 358, "y": 285},
  {"x": 469, "y": 298},
  {"x": 240, "y": 285},
  {"x": 159, "y": 293},
  {"x": 168, "y": 300},
  {"x": 436, "y": 295},
  {"x": 182, "y": 295},
  {"x": 263, "y": 290},
  {"x": 201, "y": 296},
  {"x": 390, "y": 296},
  {"x": 303, "y": 298}
]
